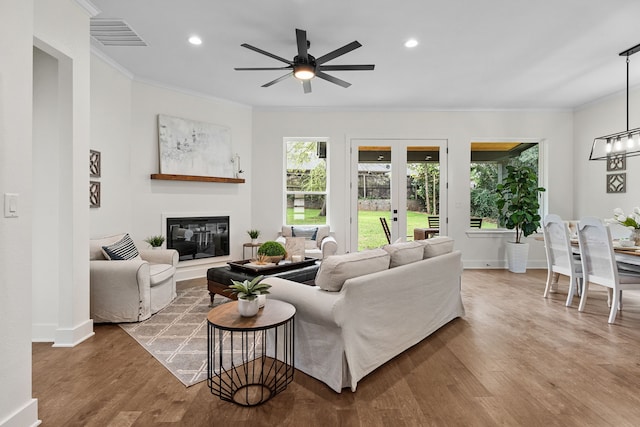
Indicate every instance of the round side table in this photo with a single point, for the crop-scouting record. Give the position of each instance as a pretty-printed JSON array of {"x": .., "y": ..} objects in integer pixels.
[{"x": 250, "y": 358}]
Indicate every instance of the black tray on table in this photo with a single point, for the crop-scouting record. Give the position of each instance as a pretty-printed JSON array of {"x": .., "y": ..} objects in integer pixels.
[{"x": 277, "y": 268}]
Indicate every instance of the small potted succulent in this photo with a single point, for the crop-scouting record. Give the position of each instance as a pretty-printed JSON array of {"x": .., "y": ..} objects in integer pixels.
[
  {"x": 272, "y": 249},
  {"x": 155, "y": 241},
  {"x": 253, "y": 234},
  {"x": 251, "y": 295}
]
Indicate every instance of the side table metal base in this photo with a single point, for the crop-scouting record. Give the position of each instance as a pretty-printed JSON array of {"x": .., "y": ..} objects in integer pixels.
[{"x": 250, "y": 366}]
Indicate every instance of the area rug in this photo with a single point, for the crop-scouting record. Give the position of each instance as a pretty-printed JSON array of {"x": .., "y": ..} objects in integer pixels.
[{"x": 177, "y": 335}]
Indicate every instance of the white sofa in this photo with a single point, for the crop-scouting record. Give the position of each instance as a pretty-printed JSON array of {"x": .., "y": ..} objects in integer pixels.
[
  {"x": 378, "y": 311},
  {"x": 130, "y": 290},
  {"x": 319, "y": 243}
]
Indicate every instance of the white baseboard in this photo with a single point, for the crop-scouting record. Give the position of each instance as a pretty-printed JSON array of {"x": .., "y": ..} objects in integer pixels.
[
  {"x": 25, "y": 416},
  {"x": 500, "y": 264},
  {"x": 70, "y": 337},
  {"x": 43, "y": 332}
]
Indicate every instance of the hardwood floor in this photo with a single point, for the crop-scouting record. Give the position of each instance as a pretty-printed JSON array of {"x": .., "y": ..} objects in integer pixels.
[{"x": 515, "y": 359}]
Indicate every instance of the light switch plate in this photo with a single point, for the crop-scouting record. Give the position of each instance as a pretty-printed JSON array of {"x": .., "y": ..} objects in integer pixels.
[{"x": 11, "y": 205}]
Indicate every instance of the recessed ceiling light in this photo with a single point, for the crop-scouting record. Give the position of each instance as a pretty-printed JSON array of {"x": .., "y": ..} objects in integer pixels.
[
  {"x": 195, "y": 40},
  {"x": 411, "y": 43}
]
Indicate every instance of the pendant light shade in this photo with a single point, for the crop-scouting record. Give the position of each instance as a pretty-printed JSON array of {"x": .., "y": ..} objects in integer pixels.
[{"x": 625, "y": 143}]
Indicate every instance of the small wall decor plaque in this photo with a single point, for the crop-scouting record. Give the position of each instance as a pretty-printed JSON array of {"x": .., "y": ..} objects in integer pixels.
[
  {"x": 616, "y": 162},
  {"x": 94, "y": 194},
  {"x": 617, "y": 183},
  {"x": 94, "y": 164}
]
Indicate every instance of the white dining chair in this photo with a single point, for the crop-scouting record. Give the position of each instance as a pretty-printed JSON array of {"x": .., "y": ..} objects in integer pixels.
[
  {"x": 560, "y": 259},
  {"x": 599, "y": 264}
]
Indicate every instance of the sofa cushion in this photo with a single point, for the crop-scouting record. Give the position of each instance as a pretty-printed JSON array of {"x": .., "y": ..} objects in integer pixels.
[
  {"x": 123, "y": 249},
  {"x": 404, "y": 253},
  {"x": 435, "y": 246},
  {"x": 336, "y": 269},
  {"x": 95, "y": 246},
  {"x": 160, "y": 272}
]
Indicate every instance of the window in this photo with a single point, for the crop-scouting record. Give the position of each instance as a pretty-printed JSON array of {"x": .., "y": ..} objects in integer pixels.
[
  {"x": 488, "y": 162},
  {"x": 306, "y": 181}
]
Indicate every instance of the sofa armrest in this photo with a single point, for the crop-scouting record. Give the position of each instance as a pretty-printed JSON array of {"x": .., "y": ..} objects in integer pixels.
[
  {"x": 160, "y": 256},
  {"x": 120, "y": 290},
  {"x": 328, "y": 246},
  {"x": 311, "y": 302}
]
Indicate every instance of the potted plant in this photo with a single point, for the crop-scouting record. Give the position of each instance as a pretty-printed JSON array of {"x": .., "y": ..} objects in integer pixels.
[
  {"x": 518, "y": 206},
  {"x": 272, "y": 249},
  {"x": 253, "y": 234},
  {"x": 155, "y": 241},
  {"x": 250, "y": 294}
]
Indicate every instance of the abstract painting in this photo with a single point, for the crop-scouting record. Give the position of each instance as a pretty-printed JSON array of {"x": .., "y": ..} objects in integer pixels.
[{"x": 189, "y": 147}]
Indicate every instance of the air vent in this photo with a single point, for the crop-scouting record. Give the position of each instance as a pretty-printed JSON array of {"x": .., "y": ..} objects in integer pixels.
[{"x": 114, "y": 32}]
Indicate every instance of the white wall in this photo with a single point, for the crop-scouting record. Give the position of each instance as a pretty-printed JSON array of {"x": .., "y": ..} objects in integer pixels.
[
  {"x": 60, "y": 29},
  {"x": 46, "y": 195},
  {"x": 600, "y": 118},
  {"x": 459, "y": 128},
  {"x": 151, "y": 198},
  {"x": 17, "y": 408},
  {"x": 111, "y": 136}
]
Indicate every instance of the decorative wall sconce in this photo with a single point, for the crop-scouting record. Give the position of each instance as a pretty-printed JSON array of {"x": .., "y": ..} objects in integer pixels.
[{"x": 625, "y": 143}]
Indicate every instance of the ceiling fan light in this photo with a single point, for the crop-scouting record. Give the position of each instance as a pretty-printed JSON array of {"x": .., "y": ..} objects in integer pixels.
[{"x": 304, "y": 72}]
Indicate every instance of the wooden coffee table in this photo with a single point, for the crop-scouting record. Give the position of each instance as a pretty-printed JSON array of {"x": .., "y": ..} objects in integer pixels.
[
  {"x": 250, "y": 359},
  {"x": 219, "y": 278}
]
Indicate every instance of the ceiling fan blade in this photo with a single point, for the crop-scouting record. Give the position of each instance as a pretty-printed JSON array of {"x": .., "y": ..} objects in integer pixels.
[
  {"x": 332, "y": 79},
  {"x": 306, "y": 85},
  {"x": 340, "y": 51},
  {"x": 263, "y": 68},
  {"x": 346, "y": 67},
  {"x": 264, "y": 52},
  {"x": 279, "y": 79},
  {"x": 301, "y": 39}
]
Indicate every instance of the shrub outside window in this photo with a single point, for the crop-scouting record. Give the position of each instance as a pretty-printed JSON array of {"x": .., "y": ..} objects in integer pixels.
[
  {"x": 306, "y": 181},
  {"x": 488, "y": 166}
]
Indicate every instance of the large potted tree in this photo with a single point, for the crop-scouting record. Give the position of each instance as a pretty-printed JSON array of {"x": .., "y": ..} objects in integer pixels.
[{"x": 518, "y": 207}]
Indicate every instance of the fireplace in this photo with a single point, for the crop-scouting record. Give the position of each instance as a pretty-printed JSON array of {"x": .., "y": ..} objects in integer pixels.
[{"x": 198, "y": 237}]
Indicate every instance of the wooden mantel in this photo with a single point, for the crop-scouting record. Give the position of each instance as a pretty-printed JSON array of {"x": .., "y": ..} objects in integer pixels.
[{"x": 168, "y": 177}]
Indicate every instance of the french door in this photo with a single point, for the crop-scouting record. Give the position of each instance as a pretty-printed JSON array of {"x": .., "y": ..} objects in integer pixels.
[{"x": 398, "y": 181}]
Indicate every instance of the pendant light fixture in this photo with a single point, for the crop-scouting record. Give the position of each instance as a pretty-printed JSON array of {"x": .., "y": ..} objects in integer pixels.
[{"x": 625, "y": 143}]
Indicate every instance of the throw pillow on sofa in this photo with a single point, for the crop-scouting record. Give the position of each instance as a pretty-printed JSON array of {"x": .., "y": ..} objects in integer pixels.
[
  {"x": 336, "y": 269},
  {"x": 404, "y": 253},
  {"x": 123, "y": 249},
  {"x": 308, "y": 233},
  {"x": 436, "y": 246}
]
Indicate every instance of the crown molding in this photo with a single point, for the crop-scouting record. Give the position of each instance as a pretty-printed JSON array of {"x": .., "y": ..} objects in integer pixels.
[
  {"x": 89, "y": 7},
  {"x": 106, "y": 58}
]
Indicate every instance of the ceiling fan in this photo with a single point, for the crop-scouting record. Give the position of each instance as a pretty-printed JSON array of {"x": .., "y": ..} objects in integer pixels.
[{"x": 304, "y": 66}]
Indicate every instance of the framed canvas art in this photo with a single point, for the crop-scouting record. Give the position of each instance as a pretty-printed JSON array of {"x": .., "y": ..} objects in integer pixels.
[{"x": 189, "y": 147}]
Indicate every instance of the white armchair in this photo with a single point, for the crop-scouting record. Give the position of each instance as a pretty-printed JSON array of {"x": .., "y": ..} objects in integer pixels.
[
  {"x": 130, "y": 290},
  {"x": 319, "y": 242}
]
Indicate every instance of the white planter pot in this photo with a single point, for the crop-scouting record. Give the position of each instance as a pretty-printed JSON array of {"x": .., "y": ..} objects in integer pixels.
[
  {"x": 247, "y": 308},
  {"x": 262, "y": 300},
  {"x": 517, "y": 255}
]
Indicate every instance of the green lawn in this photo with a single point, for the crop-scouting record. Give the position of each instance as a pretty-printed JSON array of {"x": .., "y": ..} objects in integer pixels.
[{"x": 370, "y": 233}]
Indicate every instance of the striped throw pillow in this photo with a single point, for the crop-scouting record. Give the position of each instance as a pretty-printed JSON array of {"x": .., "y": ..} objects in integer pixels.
[{"x": 121, "y": 250}]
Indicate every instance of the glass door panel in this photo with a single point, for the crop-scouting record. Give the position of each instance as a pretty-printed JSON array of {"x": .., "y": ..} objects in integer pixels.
[
  {"x": 374, "y": 196},
  {"x": 423, "y": 191},
  {"x": 395, "y": 185}
]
